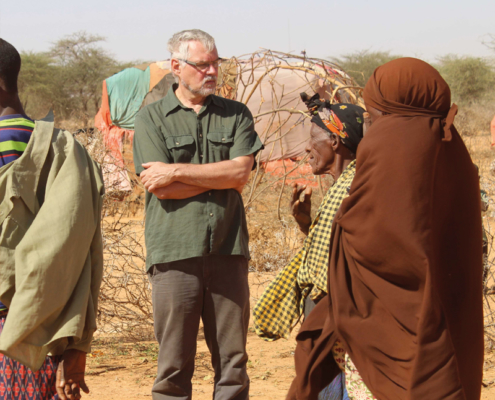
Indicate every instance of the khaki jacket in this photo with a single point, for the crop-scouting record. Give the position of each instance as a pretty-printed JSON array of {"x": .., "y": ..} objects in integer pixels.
[{"x": 51, "y": 259}]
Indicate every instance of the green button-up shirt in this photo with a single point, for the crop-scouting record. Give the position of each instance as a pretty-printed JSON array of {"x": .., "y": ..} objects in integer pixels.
[{"x": 213, "y": 222}]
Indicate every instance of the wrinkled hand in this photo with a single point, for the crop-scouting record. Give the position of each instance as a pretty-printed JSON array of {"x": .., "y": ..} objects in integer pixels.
[
  {"x": 156, "y": 175},
  {"x": 70, "y": 375},
  {"x": 301, "y": 210}
]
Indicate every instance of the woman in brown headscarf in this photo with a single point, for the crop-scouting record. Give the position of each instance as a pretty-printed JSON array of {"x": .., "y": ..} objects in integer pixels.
[{"x": 405, "y": 273}]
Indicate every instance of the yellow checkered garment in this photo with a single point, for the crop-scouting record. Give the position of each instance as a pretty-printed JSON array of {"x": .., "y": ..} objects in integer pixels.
[{"x": 279, "y": 308}]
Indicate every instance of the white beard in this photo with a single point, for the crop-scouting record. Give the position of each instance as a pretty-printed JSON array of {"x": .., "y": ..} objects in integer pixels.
[{"x": 202, "y": 91}]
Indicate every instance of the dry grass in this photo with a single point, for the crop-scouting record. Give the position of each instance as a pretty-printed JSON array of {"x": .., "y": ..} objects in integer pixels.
[{"x": 473, "y": 123}]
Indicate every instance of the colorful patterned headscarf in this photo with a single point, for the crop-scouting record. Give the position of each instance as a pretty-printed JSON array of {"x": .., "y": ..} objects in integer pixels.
[{"x": 345, "y": 120}]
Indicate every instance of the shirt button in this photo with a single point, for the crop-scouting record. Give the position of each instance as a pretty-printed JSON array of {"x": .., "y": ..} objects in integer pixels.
[
  {"x": 200, "y": 135},
  {"x": 209, "y": 193},
  {"x": 211, "y": 214},
  {"x": 223, "y": 139},
  {"x": 176, "y": 142},
  {"x": 201, "y": 155}
]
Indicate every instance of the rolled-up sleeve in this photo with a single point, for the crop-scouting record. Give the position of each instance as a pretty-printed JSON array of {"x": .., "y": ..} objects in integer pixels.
[{"x": 148, "y": 142}]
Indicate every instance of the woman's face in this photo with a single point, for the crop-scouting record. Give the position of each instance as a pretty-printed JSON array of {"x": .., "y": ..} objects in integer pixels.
[{"x": 320, "y": 150}]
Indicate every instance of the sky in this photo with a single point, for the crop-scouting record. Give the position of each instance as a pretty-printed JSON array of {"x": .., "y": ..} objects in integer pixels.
[{"x": 139, "y": 30}]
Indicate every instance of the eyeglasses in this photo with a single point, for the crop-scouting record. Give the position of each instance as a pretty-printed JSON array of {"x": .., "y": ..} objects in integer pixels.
[{"x": 203, "y": 66}]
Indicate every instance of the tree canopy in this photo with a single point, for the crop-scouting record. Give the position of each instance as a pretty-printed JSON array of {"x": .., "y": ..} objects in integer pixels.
[
  {"x": 361, "y": 64},
  {"x": 470, "y": 78},
  {"x": 36, "y": 86},
  {"x": 67, "y": 78}
]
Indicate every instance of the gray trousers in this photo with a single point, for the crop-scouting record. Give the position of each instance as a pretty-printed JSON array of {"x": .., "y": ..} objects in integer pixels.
[{"x": 214, "y": 288}]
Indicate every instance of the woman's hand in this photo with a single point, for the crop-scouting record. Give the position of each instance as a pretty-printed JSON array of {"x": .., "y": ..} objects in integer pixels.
[{"x": 301, "y": 210}]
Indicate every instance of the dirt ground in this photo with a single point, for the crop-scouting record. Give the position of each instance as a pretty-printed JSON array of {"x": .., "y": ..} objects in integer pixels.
[
  {"x": 122, "y": 369},
  {"x": 119, "y": 370},
  {"x": 127, "y": 370}
]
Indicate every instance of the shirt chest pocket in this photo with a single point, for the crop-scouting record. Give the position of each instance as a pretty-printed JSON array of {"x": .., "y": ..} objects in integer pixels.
[
  {"x": 181, "y": 148},
  {"x": 219, "y": 145}
]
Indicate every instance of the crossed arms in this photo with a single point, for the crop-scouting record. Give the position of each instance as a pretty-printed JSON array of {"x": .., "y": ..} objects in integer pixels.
[{"x": 181, "y": 181}]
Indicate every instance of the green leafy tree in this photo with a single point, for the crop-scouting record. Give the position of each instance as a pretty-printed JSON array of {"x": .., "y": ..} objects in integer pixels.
[
  {"x": 81, "y": 65},
  {"x": 470, "y": 78},
  {"x": 36, "y": 83},
  {"x": 67, "y": 79},
  {"x": 361, "y": 64}
]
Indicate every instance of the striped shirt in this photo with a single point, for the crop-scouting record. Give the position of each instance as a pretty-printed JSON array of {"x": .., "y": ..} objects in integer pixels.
[{"x": 15, "y": 132}]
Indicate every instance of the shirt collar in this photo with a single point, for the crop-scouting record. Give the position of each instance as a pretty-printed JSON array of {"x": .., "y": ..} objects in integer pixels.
[
  {"x": 218, "y": 101},
  {"x": 5, "y": 117},
  {"x": 349, "y": 170},
  {"x": 171, "y": 102}
]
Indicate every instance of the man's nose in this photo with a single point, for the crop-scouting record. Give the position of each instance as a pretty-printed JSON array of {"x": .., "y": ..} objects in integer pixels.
[{"x": 212, "y": 70}]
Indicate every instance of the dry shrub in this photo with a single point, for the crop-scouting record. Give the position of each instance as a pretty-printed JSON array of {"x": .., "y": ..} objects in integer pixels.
[
  {"x": 361, "y": 64},
  {"x": 474, "y": 120},
  {"x": 471, "y": 79},
  {"x": 473, "y": 123},
  {"x": 272, "y": 243},
  {"x": 125, "y": 297}
]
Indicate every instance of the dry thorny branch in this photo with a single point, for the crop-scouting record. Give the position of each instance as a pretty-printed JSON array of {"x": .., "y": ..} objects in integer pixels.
[{"x": 125, "y": 297}]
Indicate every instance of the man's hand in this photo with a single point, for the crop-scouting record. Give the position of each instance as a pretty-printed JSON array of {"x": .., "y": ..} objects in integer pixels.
[
  {"x": 301, "y": 210},
  {"x": 70, "y": 375},
  {"x": 157, "y": 175}
]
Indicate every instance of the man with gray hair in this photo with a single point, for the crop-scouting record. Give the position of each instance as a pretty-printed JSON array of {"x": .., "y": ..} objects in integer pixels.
[{"x": 194, "y": 152}]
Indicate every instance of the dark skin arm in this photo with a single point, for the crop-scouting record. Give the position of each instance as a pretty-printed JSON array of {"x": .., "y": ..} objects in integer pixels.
[
  {"x": 301, "y": 210},
  {"x": 70, "y": 375}
]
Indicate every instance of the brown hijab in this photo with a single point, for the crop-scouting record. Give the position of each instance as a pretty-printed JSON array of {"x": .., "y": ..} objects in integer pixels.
[{"x": 405, "y": 270}]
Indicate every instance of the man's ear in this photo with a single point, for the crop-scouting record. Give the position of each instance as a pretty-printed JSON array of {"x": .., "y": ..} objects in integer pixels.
[{"x": 175, "y": 66}]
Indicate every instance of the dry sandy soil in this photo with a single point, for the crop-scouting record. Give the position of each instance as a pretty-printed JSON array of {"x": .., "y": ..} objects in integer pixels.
[
  {"x": 118, "y": 370},
  {"x": 127, "y": 370}
]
